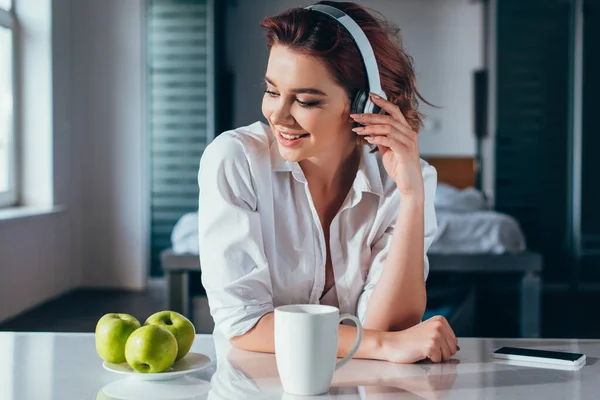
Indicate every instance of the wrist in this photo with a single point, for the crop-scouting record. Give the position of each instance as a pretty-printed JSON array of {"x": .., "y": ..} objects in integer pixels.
[
  {"x": 412, "y": 202},
  {"x": 383, "y": 345}
]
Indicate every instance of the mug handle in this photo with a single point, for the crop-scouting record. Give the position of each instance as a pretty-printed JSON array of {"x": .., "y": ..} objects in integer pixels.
[{"x": 359, "y": 336}]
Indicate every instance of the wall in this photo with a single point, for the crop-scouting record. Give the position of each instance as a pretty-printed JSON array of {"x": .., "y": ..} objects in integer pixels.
[
  {"x": 83, "y": 103},
  {"x": 445, "y": 38},
  {"x": 110, "y": 142},
  {"x": 35, "y": 251}
]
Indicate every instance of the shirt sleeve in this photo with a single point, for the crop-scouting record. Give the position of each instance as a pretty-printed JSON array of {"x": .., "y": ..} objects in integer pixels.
[
  {"x": 381, "y": 247},
  {"x": 235, "y": 272}
]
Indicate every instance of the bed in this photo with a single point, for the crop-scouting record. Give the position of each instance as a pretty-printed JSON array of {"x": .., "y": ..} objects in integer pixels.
[{"x": 472, "y": 240}]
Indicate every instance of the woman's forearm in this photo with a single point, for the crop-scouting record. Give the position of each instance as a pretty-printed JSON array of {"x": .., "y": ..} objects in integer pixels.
[
  {"x": 399, "y": 298},
  {"x": 261, "y": 338}
]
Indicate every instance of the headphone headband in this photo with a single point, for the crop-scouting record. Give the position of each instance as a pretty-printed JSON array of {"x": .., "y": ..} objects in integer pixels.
[{"x": 359, "y": 37}]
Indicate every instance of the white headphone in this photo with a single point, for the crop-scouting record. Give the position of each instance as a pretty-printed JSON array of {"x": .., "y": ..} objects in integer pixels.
[{"x": 362, "y": 101}]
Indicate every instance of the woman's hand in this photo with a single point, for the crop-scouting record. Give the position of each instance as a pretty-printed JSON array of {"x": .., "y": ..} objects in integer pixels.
[
  {"x": 397, "y": 143},
  {"x": 433, "y": 339}
]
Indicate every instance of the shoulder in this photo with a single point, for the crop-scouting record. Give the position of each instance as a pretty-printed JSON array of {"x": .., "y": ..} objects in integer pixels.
[
  {"x": 227, "y": 165},
  {"x": 251, "y": 139},
  {"x": 237, "y": 145}
]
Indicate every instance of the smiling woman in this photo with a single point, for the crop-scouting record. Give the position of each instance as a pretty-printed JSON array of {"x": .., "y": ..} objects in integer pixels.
[{"x": 303, "y": 210}]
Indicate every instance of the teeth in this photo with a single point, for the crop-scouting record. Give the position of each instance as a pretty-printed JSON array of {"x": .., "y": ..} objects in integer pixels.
[{"x": 290, "y": 137}]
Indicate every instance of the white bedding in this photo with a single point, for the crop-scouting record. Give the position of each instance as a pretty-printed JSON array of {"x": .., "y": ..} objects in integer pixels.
[
  {"x": 184, "y": 237},
  {"x": 465, "y": 225},
  {"x": 477, "y": 232}
]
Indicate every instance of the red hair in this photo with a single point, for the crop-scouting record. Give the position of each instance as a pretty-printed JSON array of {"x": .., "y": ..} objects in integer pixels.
[{"x": 317, "y": 35}]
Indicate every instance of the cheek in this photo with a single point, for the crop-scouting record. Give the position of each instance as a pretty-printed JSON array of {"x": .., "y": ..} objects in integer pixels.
[
  {"x": 310, "y": 120},
  {"x": 266, "y": 111},
  {"x": 325, "y": 124}
]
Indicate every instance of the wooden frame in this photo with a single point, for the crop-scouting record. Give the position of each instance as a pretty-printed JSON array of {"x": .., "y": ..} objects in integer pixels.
[{"x": 455, "y": 171}]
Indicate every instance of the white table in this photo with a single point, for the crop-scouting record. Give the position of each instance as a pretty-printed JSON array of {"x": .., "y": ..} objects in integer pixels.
[{"x": 65, "y": 366}]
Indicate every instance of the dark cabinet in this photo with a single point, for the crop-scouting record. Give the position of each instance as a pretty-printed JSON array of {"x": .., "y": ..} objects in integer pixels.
[{"x": 532, "y": 124}]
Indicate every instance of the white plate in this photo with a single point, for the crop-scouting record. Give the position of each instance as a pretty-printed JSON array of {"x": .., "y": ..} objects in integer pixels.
[{"x": 190, "y": 363}]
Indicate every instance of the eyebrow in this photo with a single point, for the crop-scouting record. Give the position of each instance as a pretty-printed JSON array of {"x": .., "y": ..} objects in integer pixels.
[{"x": 300, "y": 90}]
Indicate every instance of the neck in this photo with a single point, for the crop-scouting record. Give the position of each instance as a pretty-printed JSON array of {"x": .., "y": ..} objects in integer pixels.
[{"x": 330, "y": 173}]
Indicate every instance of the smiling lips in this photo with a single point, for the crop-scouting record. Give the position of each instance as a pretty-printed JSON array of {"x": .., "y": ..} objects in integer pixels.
[
  {"x": 290, "y": 137},
  {"x": 290, "y": 140}
]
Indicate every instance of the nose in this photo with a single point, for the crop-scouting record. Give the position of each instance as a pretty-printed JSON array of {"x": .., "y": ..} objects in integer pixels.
[{"x": 281, "y": 114}]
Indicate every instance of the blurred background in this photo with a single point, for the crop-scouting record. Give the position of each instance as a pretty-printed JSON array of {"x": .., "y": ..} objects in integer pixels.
[{"x": 106, "y": 107}]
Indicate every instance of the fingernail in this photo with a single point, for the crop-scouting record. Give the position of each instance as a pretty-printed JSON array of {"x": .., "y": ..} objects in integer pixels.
[
  {"x": 358, "y": 129},
  {"x": 375, "y": 96},
  {"x": 368, "y": 138},
  {"x": 356, "y": 116}
]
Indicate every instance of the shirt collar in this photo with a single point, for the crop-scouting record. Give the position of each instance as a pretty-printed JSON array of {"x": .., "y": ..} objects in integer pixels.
[{"x": 368, "y": 176}]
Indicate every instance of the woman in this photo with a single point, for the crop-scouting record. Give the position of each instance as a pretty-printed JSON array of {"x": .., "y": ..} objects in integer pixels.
[{"x": 321, "y": 205}]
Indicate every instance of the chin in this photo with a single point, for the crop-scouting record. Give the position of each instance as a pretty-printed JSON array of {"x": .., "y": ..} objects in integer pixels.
[{"x": 291, "y": 155}]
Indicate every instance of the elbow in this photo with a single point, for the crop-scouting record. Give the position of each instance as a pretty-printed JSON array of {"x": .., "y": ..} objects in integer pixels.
[
  {"x": 410, "y": 316},
  {"x": 408, "y": 320},
  {"x": 402, "y": 320},
  {"x": 415, "y": 314}
]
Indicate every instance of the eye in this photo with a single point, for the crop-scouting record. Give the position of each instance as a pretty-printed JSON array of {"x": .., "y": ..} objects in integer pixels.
[
  {"x": 308, "y": 104},
  {"x": 271, "y": 93}
]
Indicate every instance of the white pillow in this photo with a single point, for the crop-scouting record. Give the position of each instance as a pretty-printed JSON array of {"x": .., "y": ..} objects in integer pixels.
[{"x": 450, "y": 198}]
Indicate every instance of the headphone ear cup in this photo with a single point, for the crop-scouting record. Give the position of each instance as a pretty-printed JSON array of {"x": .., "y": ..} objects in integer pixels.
[
  {"x": 359, "y": 102},
  {"x": 376, "y": 109}
]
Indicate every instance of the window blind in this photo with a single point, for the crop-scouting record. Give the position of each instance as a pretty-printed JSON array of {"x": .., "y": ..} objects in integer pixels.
[{"x": 179, "y": 116}]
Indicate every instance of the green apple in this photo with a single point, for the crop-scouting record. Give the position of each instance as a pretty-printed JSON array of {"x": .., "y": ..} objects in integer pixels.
[
  {"x": 103, "y": 396},
  {"x": 112, "y": 332},
  {"x": 151, "y": 349},
  {"x": 178, "y": 325}
]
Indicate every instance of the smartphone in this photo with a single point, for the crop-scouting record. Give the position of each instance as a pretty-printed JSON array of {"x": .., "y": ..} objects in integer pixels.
[{"x": 540, "y": 356}]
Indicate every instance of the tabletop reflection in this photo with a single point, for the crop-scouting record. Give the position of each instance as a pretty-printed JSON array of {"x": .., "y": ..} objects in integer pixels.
[
  {"x": 246, "y": 375},
  {"x": 184, "y": 388}
]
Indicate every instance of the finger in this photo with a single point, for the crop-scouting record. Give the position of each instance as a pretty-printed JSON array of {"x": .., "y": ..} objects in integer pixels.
[
  {"x": 390, "y": 108},
  {"x": 374, "y": 119},
  {"x": 435, "y": 354},
  {"x": 450, "y": 343},
  {"x": 370, "y": 119},
  {"x": 452, "y": 334},
  {"x": 449, "y": 337},
  {"x": 445, "y": 348},
  {"x": 385, "y": 130},
  {"x": 396, "y": 146}
]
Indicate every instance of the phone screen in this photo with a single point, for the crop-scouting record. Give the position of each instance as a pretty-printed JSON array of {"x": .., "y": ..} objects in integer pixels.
[{"x": 559, "y": 355}]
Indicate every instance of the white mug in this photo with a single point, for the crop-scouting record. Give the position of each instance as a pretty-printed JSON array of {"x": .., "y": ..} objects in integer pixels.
[{"x": 306, "y": 344}]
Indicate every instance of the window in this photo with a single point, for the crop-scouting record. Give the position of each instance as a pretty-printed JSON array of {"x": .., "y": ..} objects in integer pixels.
[{"x": 8, "y": 193}]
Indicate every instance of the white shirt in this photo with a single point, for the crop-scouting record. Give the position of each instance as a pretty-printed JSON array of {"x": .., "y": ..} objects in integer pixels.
[
  {"x": 261, "y": 241},
  {"x": 330, "y": 298}
]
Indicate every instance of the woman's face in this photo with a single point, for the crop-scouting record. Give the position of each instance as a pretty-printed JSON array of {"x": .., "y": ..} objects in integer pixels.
[{"x": 307, "y": 110}]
